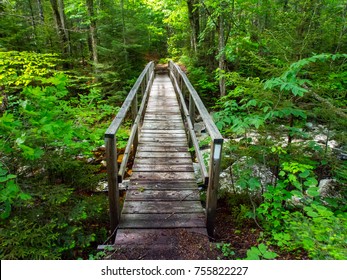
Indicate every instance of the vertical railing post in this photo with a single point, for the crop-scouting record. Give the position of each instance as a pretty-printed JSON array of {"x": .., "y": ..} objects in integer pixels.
[
  {"x": 112, "y": 177},
  {"x": 134, "y": 111},
  {"x": 213, "y": 184},
  {"x": 192, "y": 119}
]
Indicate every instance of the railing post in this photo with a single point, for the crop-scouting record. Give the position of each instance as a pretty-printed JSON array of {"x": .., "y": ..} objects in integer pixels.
[
  {"x": 213, "y": 184},
  {"x": 112, "y": 177},
  {"x": 134, "y": 111}
]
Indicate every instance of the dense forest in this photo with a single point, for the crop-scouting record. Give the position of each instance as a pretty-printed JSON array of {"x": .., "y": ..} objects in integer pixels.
[{"x": 273, "y": 74}]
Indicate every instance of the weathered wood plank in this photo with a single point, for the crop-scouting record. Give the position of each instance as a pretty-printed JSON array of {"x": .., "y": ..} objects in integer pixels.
[
  {"x": 163, "y": 144},
  {"x": 162, "y": 207},
  {"x": 164, "y": 135},
  {"x": 162, "y": 168},
  {"x": 145, "y": 148},
  {"x": 141, "y": 154},
  {"x": 164, "y": 195},
  {"x": 162, "y": 117},
  {"x": 162, "y": 126},
  {"x": 159, "y": 176},
  {"x": 158, "y": 221},
  {"x": 163, "y": 161},
  {"x": 139, "y": 185},
  {"x": 163, "y": 121},
  {"x": 178, "y": 131},
  {"x": 162, "y": 140}
]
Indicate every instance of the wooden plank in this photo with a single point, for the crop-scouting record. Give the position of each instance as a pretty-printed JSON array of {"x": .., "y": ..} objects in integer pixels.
[
  {"x": 163, "y": 161},
  {"x": 196, "y": 220},
  {"x": 158, "y": 115},
  {"x": 141, "y": 154},
  {"x": 164, "y": 126},
  {"x": 164, "y": 135},
  {"x": 163, "y": 140},
  {"x": 145, "y": 148},
  {"x": 166, "y": 112},
  {"x": 163, "y": 195},
  {"x": 162, "y": 168},
  {"x": 178, "y": 131},
  {"x": 162, "y": 120},
  {"x": 161, "y": 185},
  {"x": 168, "y": 103},
  {"x": 162, "y": 207},
  {"x": 162, "y": 144},
  {"x": 159, "y": 176}
]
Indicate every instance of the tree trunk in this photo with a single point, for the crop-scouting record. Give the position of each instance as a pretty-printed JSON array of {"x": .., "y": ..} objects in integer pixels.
[
  {"x": 92, "y": 29},
  {"x": 221, "y": 47},
  {"x": 193, "y": 13},
  {"x": 33, "y": 24},
  {"x": 124, "y": 32},
  {"x": 60, "y": 25},
  {"x": 41, "y": 15},
  {"x": 63, "y": 25}
]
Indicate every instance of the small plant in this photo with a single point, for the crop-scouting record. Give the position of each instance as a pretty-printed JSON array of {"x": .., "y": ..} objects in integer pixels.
[
  {"x": 260, "y": 252},
  {"x": 10, "y": 192},
  {"x": 226, "y": 250}
]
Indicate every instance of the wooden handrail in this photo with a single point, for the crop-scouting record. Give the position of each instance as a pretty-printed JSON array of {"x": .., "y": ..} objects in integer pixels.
[
  {"x": 179, "y": 80},
  {"x": 115, "y": 175}
]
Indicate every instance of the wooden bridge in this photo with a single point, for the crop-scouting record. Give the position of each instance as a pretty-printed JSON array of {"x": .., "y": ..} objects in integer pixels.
[{"x": 163, "y": 194}]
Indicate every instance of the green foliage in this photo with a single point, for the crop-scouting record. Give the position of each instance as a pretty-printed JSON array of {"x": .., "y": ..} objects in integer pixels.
[
  {"x": 289, "y": 80},
  {"x": 10, "y": 192},
  {"x": 203, "y": 82},
  {"x": 45, "y": 135},
  {"x": 320, "y": 232},
  {"x": 226, "y": 250},
  {"x": 260, "y": 252},
  {"x": 23, "y": 68}
]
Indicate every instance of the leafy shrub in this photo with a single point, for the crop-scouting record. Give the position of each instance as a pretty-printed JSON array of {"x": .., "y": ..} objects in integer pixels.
[{"x": 260, "y": 252}]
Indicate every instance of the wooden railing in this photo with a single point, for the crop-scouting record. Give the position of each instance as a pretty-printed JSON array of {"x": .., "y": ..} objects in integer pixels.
[
  {"x": 183, "y": 87},
  {"x": 141, "y": 89}
]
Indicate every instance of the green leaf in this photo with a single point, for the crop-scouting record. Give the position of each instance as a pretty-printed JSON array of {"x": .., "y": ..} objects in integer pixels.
[
  {"x": 11, "y": 176},
  {"x": 269, "y": 255},
  {"x": 297, "y": 193},
  {"x": 313, "y": 191},
  {"x": 24, "y": 196},
  {"x": 304, "y": 174},
  {"x": 312, "y": 214},
  {"x": 262, "y": 248},
  {"x": 3, "y": 179}
]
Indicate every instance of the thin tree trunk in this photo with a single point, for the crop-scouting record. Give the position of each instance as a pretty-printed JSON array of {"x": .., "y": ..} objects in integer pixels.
[
  {"x": 41, "y": 15},
  {"x": 124, "y": 32},
  {"x": 221, "y": 47},
  {"x": 92, "y": 29},
  {"x": 60, "y": 26},
  {"x": 63, "y": 25},
  {"x": 33, "y": 24},
  {"x": 194, "y": 19}
]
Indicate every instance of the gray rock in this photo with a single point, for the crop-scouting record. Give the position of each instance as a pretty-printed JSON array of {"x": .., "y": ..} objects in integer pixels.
[{"x": 327, "y": 188}]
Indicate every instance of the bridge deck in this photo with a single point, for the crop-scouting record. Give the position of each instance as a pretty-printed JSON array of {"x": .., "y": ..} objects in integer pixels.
[{"x": 162, "y": 196}]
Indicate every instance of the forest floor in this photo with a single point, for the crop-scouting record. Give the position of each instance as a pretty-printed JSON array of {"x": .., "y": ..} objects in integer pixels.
[{"x": 186, "y": 245}]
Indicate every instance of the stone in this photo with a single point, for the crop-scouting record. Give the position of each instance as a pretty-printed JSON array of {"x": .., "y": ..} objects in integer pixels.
[
  {"x": 199, "y": 128},
  {"x": 197, "y": 173},
  {"x": 327, "y": 188}
]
